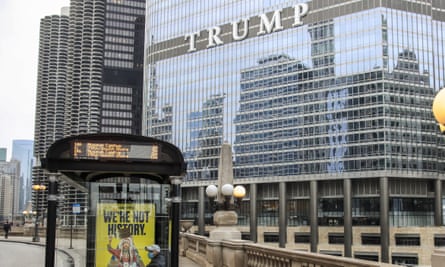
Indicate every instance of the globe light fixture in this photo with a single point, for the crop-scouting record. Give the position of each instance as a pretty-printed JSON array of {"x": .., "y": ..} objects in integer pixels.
[
  {"x": 211, "y": 191},
  {"x": 228, "y": 191},
  {"x": 239, "y": 192},
  {"x": 439, "y": 109}
]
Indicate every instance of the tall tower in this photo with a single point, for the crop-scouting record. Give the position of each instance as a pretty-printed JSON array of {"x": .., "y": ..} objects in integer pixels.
[
  {"x": 51, "y": 90},
  {"x": 105, "y": 67}
]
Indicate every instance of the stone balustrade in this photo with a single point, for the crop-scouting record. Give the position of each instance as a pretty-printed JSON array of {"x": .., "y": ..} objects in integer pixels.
[{"x": 240, "y": 253}]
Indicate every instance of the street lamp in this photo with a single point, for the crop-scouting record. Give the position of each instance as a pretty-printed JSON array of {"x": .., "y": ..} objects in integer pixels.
[
  {"x": 439, "y": 109},
  {"x": 227, "y": 191},
  {"x": 38, "y": 189}
]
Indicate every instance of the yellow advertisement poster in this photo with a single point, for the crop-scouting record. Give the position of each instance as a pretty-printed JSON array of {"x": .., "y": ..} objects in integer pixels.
[{"x": 122, "y": 232}]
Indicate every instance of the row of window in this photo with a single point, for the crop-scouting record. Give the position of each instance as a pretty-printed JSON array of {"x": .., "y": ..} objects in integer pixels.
[
  {"x": 111, "y": 122},
  {"x": 122, "y": 17},
  {"x": 118, "y": 63},
  {"x": 118, "y": 32},
  {"x": 116, "y": 130},
  {"x": 115, "y": 106},
  {"x": 117, "y": 89},
  {"x": 140, "y": 4},
  {"x": 366, "y": 238},
  {"x": 121, "y": 48},
  {"x": 119, "y": 40},
  {"x": 127, "y": 10},
  {"x": 119, "y": 24},
  {"x": 116, "y": 114},
  {"x": 285, "y": 168},
  {"x": 365, "y": 211},
  {"x": 120, "y": 98},
  {"x": 117, "y": 56}
]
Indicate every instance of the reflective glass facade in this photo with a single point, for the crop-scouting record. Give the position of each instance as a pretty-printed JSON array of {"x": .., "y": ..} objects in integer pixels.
[
  {"x": 296, "y": 88},
  {"x": 332, "y": 98}
]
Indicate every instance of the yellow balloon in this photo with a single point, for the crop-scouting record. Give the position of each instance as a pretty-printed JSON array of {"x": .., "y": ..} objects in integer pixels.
[{"x": 439, "y": 106}]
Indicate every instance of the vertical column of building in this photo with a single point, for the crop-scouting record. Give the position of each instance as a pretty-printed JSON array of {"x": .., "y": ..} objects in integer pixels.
[
  {"x": 347, "y": 202},
  {"x": 384, "y": 219},
  {"x": 438, "y": 207},
  {"x": 282, "y": 219},
  {"x": 201, "y": 210},
  {"x": 313, "y": 210},
  {"x": 253, "y": 213}
]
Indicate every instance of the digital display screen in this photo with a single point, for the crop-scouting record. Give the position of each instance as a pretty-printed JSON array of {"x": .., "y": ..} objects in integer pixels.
[{"x": 116, "y": 150}]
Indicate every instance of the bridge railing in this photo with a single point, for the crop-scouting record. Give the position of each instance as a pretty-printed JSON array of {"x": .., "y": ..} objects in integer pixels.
[{"x": 241, "y": 253}]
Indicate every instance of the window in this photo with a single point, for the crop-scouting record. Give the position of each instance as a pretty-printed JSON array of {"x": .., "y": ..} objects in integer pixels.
[
  {"x": 405, "y": 259},
  {"x": 331, "y": 252},
  {"x": 439, "y": 240},
  {"x": 370, "y": 239},
  {"x": 336, "y": 238},
  {"x": 407, "y": 240},
  {"x": 302, "y": 238},
  {"x": 271, "y": 237},
  {"x": 369, "y": 256},
  {"x": 245, "y": 236}
]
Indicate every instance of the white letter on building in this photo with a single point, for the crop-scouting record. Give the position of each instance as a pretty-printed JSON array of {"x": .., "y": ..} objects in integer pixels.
[
  {"x": 192, "y": 41},
  {"x": 214, "y": 39},
  {"x": 235, "y": 30},
  {"x": 300, "y": 11},
  {"x": 267, "y": 26}
]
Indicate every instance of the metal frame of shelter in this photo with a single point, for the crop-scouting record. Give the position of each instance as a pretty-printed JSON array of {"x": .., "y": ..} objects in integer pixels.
[{"x": 92, "y": 157}]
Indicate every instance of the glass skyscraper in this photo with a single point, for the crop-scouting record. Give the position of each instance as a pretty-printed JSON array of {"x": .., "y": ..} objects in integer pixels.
[
  {"x": 331, "y": 99},
  {"x": 22, "y": 151}
]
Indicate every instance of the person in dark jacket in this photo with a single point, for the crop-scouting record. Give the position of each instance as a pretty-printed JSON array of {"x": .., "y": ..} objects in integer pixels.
[
  {"x": 156, "y": 258},
  {"x": 6, "y": 228}
]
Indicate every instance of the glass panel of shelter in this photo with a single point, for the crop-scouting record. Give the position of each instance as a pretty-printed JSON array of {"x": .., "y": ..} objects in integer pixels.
[{"x": 128, "y": 209}]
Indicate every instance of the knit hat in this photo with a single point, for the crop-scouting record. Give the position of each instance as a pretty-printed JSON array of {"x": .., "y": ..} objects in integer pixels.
[{"x": 153, "y": 247}]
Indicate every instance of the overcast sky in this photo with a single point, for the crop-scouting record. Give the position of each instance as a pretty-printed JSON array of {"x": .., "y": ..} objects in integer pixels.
[{"x": 19, "y": 31}]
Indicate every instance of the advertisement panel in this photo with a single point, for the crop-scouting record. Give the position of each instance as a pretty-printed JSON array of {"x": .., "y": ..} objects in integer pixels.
[{"x": 122, "y": 232}]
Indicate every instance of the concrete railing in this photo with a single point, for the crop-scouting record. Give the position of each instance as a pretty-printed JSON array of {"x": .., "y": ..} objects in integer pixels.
[{"x": 240, "y": 253}]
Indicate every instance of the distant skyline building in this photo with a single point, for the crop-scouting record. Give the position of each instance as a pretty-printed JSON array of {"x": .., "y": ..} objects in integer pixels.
[
  {"x": 90, "y": 79},
  {"x": 9, "y": 190},
  {"x": 22, "y": 151},
  {"x": 3, "y": 153},
  {"x": 327, "y": 106}
]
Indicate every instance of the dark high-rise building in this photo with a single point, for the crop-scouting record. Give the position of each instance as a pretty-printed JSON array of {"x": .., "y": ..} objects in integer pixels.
[
  {"x": 105, "y": 67},
  {"x": 327, "y": 105},
  {"x": 90, "y": 80}
]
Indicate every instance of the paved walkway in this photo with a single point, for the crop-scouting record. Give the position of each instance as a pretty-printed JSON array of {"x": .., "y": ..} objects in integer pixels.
[{"x": 76, "y": 249}]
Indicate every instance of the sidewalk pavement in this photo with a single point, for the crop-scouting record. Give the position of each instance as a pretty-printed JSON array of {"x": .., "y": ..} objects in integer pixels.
[{"x": 76, "y": 249}]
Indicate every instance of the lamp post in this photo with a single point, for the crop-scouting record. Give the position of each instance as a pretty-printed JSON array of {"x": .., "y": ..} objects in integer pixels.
[
  {"x": 38, "y": 189},
  {"x": 225, "y": 217}
]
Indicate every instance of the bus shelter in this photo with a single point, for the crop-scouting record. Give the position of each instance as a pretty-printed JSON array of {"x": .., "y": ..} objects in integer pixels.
[{"x": 133, "y": 186}]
